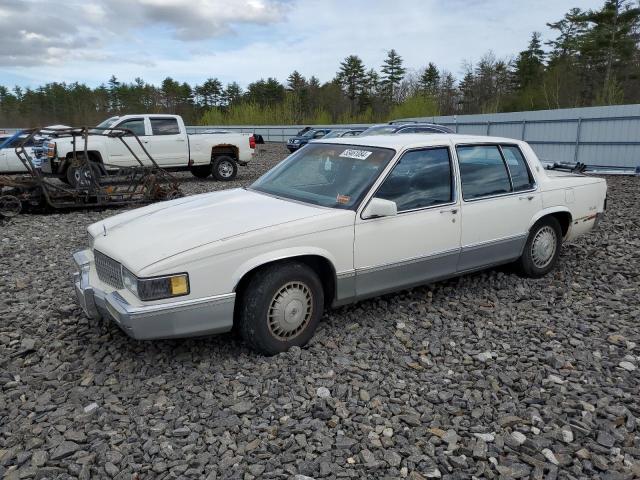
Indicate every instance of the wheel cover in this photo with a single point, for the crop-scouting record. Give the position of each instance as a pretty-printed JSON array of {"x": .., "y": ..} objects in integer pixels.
[
  {"x": 10, "y": 206},
  {"x": 543, "y": 247},
  {"x": 225, "y": 169},
  {"x": 290, "y": 311}
]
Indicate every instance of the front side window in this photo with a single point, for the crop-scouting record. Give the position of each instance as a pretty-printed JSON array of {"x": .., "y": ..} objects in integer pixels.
[
  {"x": 164, "y": 126},
  {"x": 421, "y": 178},
  {"x": 328, "y": 175},
  {"x": 136, "y": 125},
  {"x": 520, "y": 175},
  {"x": 482, "y": 171}
]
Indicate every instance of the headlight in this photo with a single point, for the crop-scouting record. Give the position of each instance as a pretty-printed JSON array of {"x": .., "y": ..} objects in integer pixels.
[
  {"x": 156, "y": 288},
  {"x": 296, "y": 141}
]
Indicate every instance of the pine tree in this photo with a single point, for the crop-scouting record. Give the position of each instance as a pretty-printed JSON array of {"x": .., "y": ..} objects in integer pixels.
[
  {"x": 393, "y": 73},
  {"x": 352, "y": 78},
  {"x": 430, "y": 80},
  {"x": 296, "y": 82},
  {"x": 529, "y": 67}
]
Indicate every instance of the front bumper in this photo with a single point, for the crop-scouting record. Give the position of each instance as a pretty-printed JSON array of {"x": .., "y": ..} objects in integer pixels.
[
  {"x": 293, "y": 146},
  {"x": 184, "y": 318}
]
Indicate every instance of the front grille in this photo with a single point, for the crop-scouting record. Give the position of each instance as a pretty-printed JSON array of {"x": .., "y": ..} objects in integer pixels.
[{"x": 108, "y": 269}]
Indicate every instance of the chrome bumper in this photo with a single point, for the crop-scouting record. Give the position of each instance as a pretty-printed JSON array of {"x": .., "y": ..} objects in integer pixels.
[{"x": 184, "y": 318}]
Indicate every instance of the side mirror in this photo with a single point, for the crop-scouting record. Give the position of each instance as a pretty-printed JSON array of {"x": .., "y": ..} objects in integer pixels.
[{"x": 379, "y": 207}]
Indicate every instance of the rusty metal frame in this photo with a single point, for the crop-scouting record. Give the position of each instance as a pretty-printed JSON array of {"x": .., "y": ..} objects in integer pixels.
[{"x": 143, "y": 183}]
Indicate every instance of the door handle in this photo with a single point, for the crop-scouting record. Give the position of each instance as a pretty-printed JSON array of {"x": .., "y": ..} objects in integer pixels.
[
  {"x": 453, "y": 211},
  {"x": 528, "y": 197}
]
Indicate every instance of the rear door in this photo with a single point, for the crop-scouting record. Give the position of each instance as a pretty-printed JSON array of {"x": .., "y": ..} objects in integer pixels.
[
  {"x": 499, "y": 200},
  {"x": 167, "y": 145}
]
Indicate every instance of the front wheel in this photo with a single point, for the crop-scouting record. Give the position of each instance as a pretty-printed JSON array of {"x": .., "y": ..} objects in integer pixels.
[
  {"x": 280, "y": 307},
  {"x": 224, "y": 168},
  {"x": 542, "y": 249}
]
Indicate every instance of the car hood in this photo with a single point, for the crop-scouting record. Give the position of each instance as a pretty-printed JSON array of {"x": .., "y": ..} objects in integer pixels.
[{"x": 147, "y": 235}]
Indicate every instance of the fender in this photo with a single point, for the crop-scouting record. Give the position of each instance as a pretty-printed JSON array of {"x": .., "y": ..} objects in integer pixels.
[
  {"x": 276, "y": 255},
  {"x": 549, "y": 210}
]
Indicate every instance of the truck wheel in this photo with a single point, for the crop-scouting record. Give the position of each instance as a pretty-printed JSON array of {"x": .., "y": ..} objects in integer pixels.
[
  {"x": 280, "y": 307},
  {"x": 201, "y": 171},
  {"x": 542, "y": 249},
  {"x": 224, "y": 168},
  {"x": 83, "y": 175}
]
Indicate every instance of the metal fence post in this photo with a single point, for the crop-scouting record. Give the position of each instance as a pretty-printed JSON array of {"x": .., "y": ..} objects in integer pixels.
[
  {"x": 577, "y": 147},
  {"x": 524, "y": 129},
  {"x": 488, "y": 127}
]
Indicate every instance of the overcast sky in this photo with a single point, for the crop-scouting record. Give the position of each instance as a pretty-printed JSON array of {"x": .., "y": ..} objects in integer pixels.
[{"x": 243, "y": 40}]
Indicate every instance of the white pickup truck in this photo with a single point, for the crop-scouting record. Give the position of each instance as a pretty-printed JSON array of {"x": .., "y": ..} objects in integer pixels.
[{"x": 164, "y": 137}]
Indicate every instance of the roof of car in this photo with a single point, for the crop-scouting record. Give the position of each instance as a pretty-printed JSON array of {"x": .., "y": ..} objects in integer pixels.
[{"x": 413, "y": 140}]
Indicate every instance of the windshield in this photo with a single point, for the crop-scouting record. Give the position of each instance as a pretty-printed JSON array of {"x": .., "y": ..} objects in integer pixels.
[
  {"x": 309, "y": 133},
  {"x": 334, "y": 134},
  {"x": 109, "y": 122},
  {"x": 328, "y": 175},
  {"x": 379, "y": 130}
]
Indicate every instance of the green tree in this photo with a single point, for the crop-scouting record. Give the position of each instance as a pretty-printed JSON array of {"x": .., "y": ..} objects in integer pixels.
[
  {"x": 429, "y": 82},
  {"x": 352, "y": 78},
  {"x": 392, "y": 73}
]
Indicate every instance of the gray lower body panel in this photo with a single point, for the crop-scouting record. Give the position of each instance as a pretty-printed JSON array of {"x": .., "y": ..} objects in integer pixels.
[
  {"x": 374, "y": 281},
  {"x": 388, "y": 278},
  {"x": 491, "y": 253}
]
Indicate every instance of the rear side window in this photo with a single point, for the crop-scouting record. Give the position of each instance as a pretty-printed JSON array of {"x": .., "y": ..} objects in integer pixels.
[
  {"x": 520, "y": 175},
  {"x": 421, "y": 178},
  {"x": 164, "y": 126},
  {"x": 482, "y": 171}
]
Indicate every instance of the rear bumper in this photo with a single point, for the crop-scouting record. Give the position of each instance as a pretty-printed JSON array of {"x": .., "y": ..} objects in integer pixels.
[{"x": 185, "y": 318}]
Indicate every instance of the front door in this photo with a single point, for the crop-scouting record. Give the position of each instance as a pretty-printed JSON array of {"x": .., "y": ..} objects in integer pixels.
[
  {"x": 119, "y": 154},
  {"x": 499, "y": 201},
  {"x": 422, "y": 242}
]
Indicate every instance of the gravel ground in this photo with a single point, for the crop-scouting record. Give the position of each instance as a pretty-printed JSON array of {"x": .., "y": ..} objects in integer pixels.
[{"x": 489, "y": 375}]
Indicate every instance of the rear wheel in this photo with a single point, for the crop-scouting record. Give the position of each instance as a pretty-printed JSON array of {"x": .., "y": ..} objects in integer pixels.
[
  {"x": 542, "y": 249},
  {"x": 280, "y": 307},
  {"x": 201, "y": 171},
  {"x": 224, "y": 168}
]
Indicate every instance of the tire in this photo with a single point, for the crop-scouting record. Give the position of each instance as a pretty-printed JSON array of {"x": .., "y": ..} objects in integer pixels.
[
  {"x": 542, "y": 249},
  {"x": 82, "y": 176},
  {"x": 224, "y": 168},
  {"x": 201, "y": 171},
  {"x": 280, "y": 307}
]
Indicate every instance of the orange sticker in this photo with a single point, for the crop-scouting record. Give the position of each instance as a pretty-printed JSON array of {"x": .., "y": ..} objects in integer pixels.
[{"x": 343, "y": 199}]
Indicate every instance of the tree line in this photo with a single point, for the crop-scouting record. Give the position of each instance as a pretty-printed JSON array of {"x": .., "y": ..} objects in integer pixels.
[{"x": 592, "y": 59}]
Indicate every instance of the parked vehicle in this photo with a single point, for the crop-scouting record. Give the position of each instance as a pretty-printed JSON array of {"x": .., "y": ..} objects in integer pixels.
[
  {"x": 298, "y": 141},
  {"x": 348, "y": 132},
  {"x": 340, "y": 220},
  {"x": 166, "y": 140},
  {"x": 392, "y": 128},
  {"x": 9, "y": 160}
]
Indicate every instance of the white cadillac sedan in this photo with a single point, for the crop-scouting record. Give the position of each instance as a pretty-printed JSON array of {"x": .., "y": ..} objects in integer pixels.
[{"x": 338, "y": 221}]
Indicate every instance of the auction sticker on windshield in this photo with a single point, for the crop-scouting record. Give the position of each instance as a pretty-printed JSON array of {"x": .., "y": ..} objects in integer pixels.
[{"x": 357, "y": 154}]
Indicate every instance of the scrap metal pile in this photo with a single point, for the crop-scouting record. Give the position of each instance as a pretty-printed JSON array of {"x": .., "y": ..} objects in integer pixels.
[{"x": 37, "y": 190}]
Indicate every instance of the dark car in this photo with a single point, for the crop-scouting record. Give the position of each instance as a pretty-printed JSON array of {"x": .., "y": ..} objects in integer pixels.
[
  {"x": 347, "y": 132},
  {"x": 298, "y": 141},
  {"x": 393, "y": 128}
]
